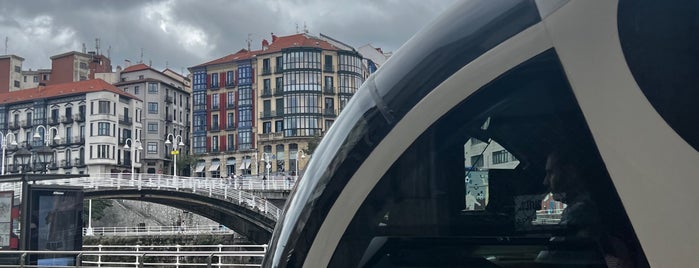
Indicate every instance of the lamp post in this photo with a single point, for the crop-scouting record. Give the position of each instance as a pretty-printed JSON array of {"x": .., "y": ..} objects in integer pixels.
[
  {"x": 267, "y": 158},
  {"x": 174, "y": 150},
  {"x": 136, "y": 149},
  {"x": 24, "y": 156},
  {"x": 47, "y": 139},
  {"x": 4, "y": 146},
  {"x": 303, "y": 155},
  {"x": 45, "y": 154}
]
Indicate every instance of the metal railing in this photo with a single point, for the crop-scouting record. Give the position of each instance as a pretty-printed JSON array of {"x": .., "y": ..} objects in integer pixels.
[
  {"x": 157, "y": 230},
  {"x": 143, "y": 256},
  {"x": 234, "y": 191}
]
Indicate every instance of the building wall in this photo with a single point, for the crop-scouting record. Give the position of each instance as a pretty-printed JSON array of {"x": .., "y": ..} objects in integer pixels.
[
  {"x": 171, "y": 115},
  {"x": 293, "y": 104},
  {"x": 61, "y": 70},
  {"x": 75, "y": 120},
  {"x": 10, "y": 73}
]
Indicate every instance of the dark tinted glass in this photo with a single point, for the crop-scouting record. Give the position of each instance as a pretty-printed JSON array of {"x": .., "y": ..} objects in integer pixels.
[
  {"x": 470, "y": 191},
  {"x": 660, "y": 41}
]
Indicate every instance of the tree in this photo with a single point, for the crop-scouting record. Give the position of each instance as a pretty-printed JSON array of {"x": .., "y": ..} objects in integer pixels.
[{"x": 186, "y": 161}]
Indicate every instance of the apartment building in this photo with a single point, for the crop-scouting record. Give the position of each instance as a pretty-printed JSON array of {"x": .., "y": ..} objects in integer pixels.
[
  {"x": 77, "y": 66},
  {"x": 10, "y": 73},
  {"x": 167, "y": 111},
  {"x": 87, "y": 122},
  {"x": 254, "y": 112}
]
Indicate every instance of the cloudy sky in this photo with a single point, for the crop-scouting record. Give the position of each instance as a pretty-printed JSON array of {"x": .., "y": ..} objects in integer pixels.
[{"x": 184, "y": 33}]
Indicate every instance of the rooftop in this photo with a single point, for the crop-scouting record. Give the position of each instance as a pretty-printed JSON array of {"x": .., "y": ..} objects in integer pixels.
[{"x": 59, "y": 90}]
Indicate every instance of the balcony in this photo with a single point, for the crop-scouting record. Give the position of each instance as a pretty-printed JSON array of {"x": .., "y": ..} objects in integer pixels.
[
  {"x": 278, "y": 91},
  {"x": 53, "y": 166},
  {"x": 124, "y": 163},
  {"x": 214, "y": 150},
  {"x": 79, "y": 162},
  {"x": 214, "y": 87},
  {"x": 278, "y": 69},
  {"x": 230, "y": 105},
  {"x": 266, "y": 71},
  {"x": 271, "y": 136},
  {"x": 13, "y": 125},
  {"x": 67, "y": 119},
  {"x": 54, "y": 121},
  {"x": 79, "y": 117},
  {"x": 168, "y": 118},
  {"x": 76, "y": 140},
  {"x": 330, "y": 112},
  {"x": 328, "y": 90},
  {"x": 230, "y": 84},
  {"x": 125, "y": 120},
  {"x": 168, "y": 99},
  {"x": 230, "y": 148},
  {"x": 230, "y": 127},
  {"x": 66, "y": 163},
  {"x": 26, "y": 124},
  {"x": 38, "y": 122},
  {"x": 266, "y": 114},
  {"x": 267, "y": 92},
  {"x": 214, "y": 128},
  {"x": 328, "y": 68}
]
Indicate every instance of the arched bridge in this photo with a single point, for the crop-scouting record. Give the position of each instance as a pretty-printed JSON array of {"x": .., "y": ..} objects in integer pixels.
[{"x": 229, "y": 202}]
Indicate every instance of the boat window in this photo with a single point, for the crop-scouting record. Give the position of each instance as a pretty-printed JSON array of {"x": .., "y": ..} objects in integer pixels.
[{"x": 479, "y": 187}]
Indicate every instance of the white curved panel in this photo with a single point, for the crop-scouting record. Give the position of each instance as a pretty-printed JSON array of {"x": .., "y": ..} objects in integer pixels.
[{"x": 654, "y": 170}]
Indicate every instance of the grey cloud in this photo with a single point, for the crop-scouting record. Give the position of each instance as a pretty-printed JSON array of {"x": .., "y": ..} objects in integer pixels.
[{"x": 225, "y": 24}]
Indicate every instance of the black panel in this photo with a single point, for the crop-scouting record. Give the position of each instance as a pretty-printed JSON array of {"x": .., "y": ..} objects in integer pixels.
[{"x": 661, "y": 45}]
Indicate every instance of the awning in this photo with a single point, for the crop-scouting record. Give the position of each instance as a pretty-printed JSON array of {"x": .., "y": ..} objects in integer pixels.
[
  {"x": 214, "y": 166},
  {"x": 245, "y": 164},
  {"x": 200, "y": 167},
  {"x": 230, "y": 162}
]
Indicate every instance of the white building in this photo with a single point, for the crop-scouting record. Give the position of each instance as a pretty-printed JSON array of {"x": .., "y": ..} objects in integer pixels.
[{"x": 88, "y": 122}]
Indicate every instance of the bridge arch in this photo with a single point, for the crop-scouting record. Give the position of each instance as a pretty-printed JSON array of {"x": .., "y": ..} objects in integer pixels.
[{"x": 244, "y": 218}]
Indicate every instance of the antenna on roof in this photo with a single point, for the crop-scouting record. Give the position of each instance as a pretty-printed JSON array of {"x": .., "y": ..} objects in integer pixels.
[
  {"x": 297, "y": 28},
  {"x": 141, "y": 60},
  {"x": 109, "y": 51},
  {"x": 305, "y": 29},
  {"x": 7, "y": 39},
  {"x": 167, "y": 64},
  {"x": 97, "y": 46},
  {"x": 84, "y": 48},
  {"x": 249, "y": 40}
]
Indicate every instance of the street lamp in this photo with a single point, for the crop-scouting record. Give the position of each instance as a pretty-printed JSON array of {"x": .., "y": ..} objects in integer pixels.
[
  {"x": 4, "y": 146},
  {"x": 303, "y": 155},
  {"x": 24, "y": 156},
  {"x": 45, "y": 155},
  {"x": 174, "y": 150},
  {"x": 267, "y": 158},
  {"x": 47, "y": 138},
  {"x": 136, "y": 149}
]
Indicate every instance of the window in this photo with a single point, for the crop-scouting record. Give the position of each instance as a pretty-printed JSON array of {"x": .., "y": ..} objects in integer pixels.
[
  {"x": 152, "y": 127},
  {"x": 500, "y": 157},
  {"x": 199, "y": 101},
  {"x": 278, "y": 126},
  {"x": 36, "y": 79},
  {"x": 136, "y": 90},
  {"x": 429, "y": 189},
  {"x": 231, "y": 142},
  {"x": 230, "y": 79},
  {"x": 103, "y": 151},
  {"x": 103, "y": 129},
  {"x": 214, "y": 80},
  {"x": 214, "y": 122},
  {"x": 231, "y": 99},
  {"x": 152, "y": 88},
  {"x": 215, "y": 101},
  {"x": 266, "y": 127},
  {"x": 103, "y": 107},
  {"x": 17, "y": 84},
  {"x": 152, "y": 107},
  {"x": 214, "y": 144},
  {"x": 245, "y": 139},
  {"x": 152, "y": 147},
  {"x": 231, "y": 121},
  {"x": 199, "y": 144},
  {"x": 18, "y": 69},
  {"x": 141, "y": 77}
]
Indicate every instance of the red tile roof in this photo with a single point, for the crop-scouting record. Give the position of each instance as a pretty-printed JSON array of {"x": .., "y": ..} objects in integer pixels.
[
  {"x": 296, "y": 40},
  {"x": 59, "y": 90},
  {"x": 137, "y": 67}
]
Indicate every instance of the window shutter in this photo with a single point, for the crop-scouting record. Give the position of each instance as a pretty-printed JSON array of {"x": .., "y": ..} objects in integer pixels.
[
  {"x": 208, "y": 144},
  {"x": 222, "y": 79}
]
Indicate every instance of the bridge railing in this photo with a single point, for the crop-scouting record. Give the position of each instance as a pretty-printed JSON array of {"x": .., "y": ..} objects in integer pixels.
[
  {"x": 144, "y": 256},
  {"x": 157, "y": 230}
]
